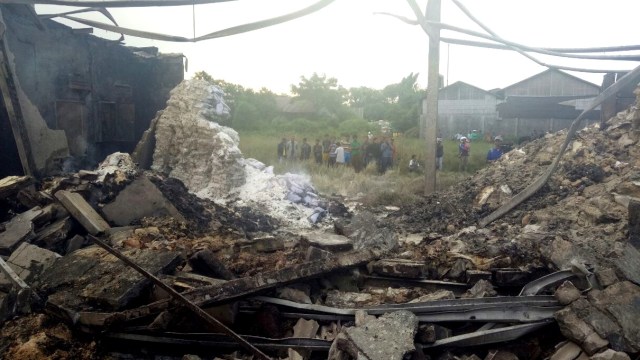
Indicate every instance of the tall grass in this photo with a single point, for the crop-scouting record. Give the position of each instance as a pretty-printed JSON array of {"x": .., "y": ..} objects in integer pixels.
[{"x": 397, "y": 186}]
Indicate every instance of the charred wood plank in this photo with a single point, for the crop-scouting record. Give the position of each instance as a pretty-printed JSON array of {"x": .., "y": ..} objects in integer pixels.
[{"x": 82, "y": 211}]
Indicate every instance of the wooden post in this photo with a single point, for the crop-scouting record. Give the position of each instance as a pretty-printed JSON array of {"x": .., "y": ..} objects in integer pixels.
[
  {"x": 431, "y": 125},
  {"x": 14, "y": 111}
]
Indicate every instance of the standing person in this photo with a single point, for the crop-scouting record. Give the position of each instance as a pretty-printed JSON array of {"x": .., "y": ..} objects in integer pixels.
[
  {"x": 414, "y": 166},
  {"x": 317, "y": 152},
  {"x": 292, "y": 149},
  {"x": 305, "y": 151},
  {"x": 347, "y": 152},
  {"x": 463, "y": 153},
  {"x": 340, "y": 154},
  {"x": 439, "y": 153},
  {"x": 326, "y": 144},
  {"x": 386, "y": 153},
  {"x": 495, "y": 152},
  {"x": 332, "y": 154},
  {"x": 282, "y": 150},
  {"x": 373, "y": 152},
  {"x": 394, "y": 152},
  {"x": 356, "y": 154}
]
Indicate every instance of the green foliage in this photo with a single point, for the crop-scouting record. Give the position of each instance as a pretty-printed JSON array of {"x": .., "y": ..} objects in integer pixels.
[
  {"x": 257, "y": 111},
  {"x": 298, "y": 126},
  {"x": 324, "y": 93},
  {"x": 203, "y": 75},
  {"x": 355, "y": 126},
  {"x": 404, "y": 98},
  {"x": 250, "y": 110}
]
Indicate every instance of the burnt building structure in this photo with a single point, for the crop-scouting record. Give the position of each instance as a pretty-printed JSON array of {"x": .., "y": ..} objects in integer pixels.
[{"x": 69, "y": 95}]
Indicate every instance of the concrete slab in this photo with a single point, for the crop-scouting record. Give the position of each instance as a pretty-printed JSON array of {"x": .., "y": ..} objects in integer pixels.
[
  {"x": 30, "y": 261},
  {"x": 331, "y": 242},
  {"x": 19, "y": 229},
  {"x": 399, "y": 268},
  {"x": 389, "y": 337},
  {"x": 91, "y": 277},
  {"x": 12, "y": 184},
  {"x": 139, "y": 199},
  {"x": 82, "y": 211}
]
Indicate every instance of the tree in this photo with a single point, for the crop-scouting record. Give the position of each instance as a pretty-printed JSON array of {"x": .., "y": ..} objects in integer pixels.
[
  {"x": 405, "y": 98},
  {"x": 250, "y": 110},
  {"x": 372, "y": 101},
  {"x": 324, "y": 93}
]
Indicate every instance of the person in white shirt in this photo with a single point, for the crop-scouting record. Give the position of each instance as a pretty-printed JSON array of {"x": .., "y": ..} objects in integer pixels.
[{"x": 340, "y": 154}]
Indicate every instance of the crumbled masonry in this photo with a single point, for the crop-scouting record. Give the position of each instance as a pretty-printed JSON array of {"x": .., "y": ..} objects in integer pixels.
[{"x": 420, "y": 281}]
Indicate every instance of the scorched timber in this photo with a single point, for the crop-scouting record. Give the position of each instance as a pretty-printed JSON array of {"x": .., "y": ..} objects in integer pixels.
[{"x": 234, "y": 289}]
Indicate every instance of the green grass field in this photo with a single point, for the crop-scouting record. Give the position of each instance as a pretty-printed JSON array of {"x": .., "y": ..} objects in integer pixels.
[{"x": 398, "y": 186}]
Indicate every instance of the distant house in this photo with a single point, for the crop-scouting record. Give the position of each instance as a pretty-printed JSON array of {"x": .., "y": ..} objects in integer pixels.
[
  {"x": 463, "y": 107},
  {"x": 548, "y": 101}
]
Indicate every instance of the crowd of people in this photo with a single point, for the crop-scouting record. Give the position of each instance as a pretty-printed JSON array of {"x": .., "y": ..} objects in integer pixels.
[
  {"x": 381, "y": 151},
  {"x": 334, "y": 152}
]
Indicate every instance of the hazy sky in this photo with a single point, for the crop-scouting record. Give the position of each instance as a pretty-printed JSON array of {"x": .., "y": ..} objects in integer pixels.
[{"x": 347, "y": 41}]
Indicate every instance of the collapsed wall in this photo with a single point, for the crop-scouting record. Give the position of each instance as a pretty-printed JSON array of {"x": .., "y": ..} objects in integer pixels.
[{"x": 192, "y": 147}]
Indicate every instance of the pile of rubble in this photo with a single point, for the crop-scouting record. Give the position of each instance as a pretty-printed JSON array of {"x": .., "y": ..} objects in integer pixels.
[{"x": 120, "y": 262}]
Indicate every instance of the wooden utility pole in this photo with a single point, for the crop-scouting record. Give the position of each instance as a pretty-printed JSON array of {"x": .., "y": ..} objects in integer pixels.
[{"x": 431, "y": 126}]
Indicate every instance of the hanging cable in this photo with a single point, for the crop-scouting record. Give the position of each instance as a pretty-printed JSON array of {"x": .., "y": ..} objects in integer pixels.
[
  {"x": 518, "y": 47},
  {"x": 222, "y": 33},
  {"x": 514, "y": 46}
]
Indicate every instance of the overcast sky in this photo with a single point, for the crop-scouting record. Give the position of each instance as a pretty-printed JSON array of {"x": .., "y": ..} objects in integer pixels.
[{"x": 346, "y": 40}]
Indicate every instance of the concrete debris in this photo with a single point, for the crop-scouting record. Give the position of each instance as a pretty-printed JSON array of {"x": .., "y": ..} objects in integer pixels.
[
  {"x": 91, "y": 274},
  {"x": 387, "y": 338},
  {"x": 303, "y": 329},
  {"x": 257, "y": 250},
  {"x": 398, "y": 268},
  {"x": 482, "y": 288},
  {"x": 80, "y": 209},
  {"x": 567, "y": 293},
  {"x": 19, "y": 229},
  {"x": 328, "y": 241},
  {"x": 339, "y": 299},
  {"x": 150, "y": 202},
  {"x": 610, "y": 355},
  {"x": 30, "y": 262},
  {"x": 366, "y": 233},
  {"x": 12, "y": 184},
  {"x": 119, "y": 165},
  {"x": 568, "y": 351},
  {"x": 436, "y": 295}
]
